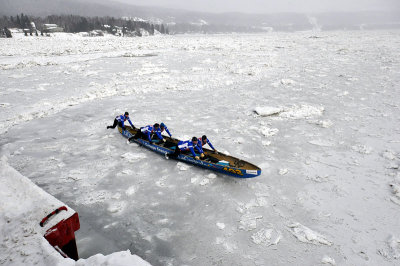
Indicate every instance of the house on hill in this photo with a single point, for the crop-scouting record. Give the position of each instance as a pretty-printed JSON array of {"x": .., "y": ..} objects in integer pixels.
[{"x": 52, "y": 28}]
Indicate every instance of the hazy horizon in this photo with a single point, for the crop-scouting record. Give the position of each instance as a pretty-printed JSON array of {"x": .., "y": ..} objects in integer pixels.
[{"x": 270, "y": 6}]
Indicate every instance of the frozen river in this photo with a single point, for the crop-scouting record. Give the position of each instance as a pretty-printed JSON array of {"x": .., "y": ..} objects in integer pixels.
[{"x": 330, "y": 154}]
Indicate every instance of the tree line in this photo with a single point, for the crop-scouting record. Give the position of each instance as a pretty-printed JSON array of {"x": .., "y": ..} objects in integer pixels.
[{"x": 74, "y": 23}]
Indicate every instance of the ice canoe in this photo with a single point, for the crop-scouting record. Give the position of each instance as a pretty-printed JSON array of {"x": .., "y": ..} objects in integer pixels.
[{"x": 217, "y": 162}]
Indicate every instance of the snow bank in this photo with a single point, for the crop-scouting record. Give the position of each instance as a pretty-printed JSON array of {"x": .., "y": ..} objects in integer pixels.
[
  {"x": 23, "y": 205},
  {"x": 122, "y": 258}
]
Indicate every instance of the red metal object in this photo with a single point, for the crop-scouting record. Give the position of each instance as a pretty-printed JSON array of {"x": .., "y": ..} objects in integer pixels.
[
  {"x": 56, "y": 211},
  {"x": 62, "y": 235}
]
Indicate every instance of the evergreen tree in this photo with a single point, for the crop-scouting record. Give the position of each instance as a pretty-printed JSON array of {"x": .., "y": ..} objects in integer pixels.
[
  {"x": 152, "y": 29},
  {"x": 72, "y": 23}
]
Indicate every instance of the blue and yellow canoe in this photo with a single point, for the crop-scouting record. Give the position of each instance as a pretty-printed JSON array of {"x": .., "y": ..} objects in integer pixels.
[{"x": 217, "y": 162}]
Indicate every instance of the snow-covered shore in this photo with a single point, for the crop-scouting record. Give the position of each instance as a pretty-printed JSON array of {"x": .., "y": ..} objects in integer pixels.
[
  {"x": 23, "y": 205},
  {"x": 317, "y": 111}
]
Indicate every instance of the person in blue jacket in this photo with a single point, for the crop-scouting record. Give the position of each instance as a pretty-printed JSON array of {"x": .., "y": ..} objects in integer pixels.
[
  {"x": 120, "y": 120},
  {"x": 186, "y": 146},
  {"x": 147, "y": 133},
  {"x": 159, "y": 130},
  {"x": 203, "y": 141},
  {"x": 164, "y": 127}
]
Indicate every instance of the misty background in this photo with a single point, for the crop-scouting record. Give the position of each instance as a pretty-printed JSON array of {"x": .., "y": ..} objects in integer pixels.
[
  {"x": 220, "y": 16},
  {"x": 271, "y": 6}
]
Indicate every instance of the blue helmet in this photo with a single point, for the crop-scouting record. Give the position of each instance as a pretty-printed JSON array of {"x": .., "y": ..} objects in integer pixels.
[{"x": 162, "y": 125}]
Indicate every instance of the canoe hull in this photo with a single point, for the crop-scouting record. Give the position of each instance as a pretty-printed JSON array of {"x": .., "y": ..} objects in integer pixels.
[{"x": 224, "y": 169}]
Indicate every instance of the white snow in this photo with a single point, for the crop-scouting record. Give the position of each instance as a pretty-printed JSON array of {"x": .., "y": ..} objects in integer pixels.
[
  {"x": 121, "y": 258},
  {"x": 23, "y": 205},
  {"x": 326, "y": 111}
]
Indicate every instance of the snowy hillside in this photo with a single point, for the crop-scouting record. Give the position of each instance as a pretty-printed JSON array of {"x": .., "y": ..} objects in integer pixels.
[{"x": 318, "y": 112}]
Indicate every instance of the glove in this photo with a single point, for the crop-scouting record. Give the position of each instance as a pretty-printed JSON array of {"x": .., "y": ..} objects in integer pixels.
[
  {"x": 215, "y": 151},
  {"x": 202, "y": 155},
  {"x": 163, "y": 140},
  {"x": 197, "y": 158}
]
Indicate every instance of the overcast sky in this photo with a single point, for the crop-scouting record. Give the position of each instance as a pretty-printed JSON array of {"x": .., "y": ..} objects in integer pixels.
[{"x": 268, "y": 6}]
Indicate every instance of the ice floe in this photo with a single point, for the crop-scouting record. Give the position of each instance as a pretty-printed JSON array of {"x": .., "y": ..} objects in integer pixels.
[
  {"x": 131, "y": 190},
  {"x": 248, "y": 221},
  {"x": 94, "y": 197},
  {"x": 394, "y": 247},
  {"x": 268, "y": 132},
  {"x": 302, "y": 111},
  {"x": 221, "y": 226},
  {"x": 363, "y": 149},
  {"x": 267, "y": 110},
  {"x": 267, "y": 236},
  {"x": 396, "y": 193},
  {"x": 133, "y": 157},
  {"x": 390, "y": 155},
  {"x": 306, "y": 235},
  {"x": 292, "y": 112},
  {"x": 328, "y": 260},
  {"x": 228, "y": 246},
  {"x": 204, "y": 182},
  {"x": 283, "y": 171},
  {"x": 322, "y": 142},
  {"x": 116, "y": 207},
  {"x": 322, "y": 123},
  {"x": 182, "y": 166}
]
